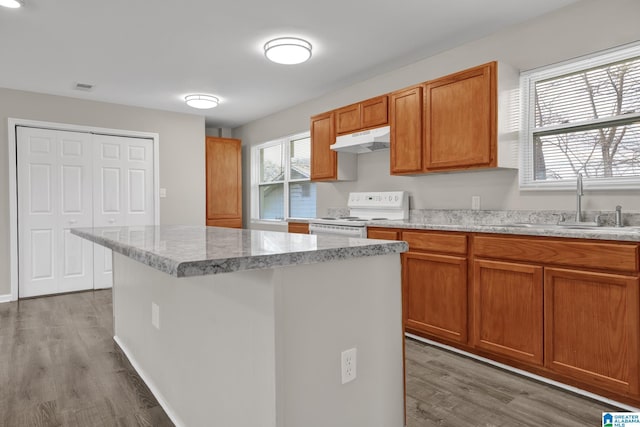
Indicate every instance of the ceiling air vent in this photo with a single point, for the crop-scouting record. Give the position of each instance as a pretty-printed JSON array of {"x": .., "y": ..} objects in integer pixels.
[{"x": 84, "y": 86}]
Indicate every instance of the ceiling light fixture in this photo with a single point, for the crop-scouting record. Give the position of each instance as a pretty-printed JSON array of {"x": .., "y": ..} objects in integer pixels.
[
  {"x": 288, "y": 50},
  {"x": 13, "y": 4},
  {"x": 202, "y": 102}
]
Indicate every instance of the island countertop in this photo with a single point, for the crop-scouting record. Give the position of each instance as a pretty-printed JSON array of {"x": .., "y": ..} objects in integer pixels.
[{"x": 184, "y": 251}]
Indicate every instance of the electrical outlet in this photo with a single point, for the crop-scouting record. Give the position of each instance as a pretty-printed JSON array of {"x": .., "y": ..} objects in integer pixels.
[
  {"x": 163, "y": 193},
  {"x": 475, "y": 203},
  {"x": 348, "y": 365},
  {"x": 155, "y": 315}
]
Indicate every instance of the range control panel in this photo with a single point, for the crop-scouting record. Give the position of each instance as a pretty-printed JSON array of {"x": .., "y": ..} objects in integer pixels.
[{"x": 379, "y": 200}]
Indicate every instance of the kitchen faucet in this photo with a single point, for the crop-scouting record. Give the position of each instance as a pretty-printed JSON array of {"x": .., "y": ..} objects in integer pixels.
[{"x": 579, "y": 194}]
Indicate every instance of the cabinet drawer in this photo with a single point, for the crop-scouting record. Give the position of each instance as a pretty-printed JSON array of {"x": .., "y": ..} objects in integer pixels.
[
  {"x": 376, "y": 233},
  {"x": 298, "y": 227},
  {"x": 436, "y": 242},
  {"x": 230, "y": 223},
  {"x": 589, "y": 254}
]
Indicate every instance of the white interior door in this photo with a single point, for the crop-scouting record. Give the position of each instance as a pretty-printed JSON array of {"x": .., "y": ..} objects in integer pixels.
[
  {"x": 54, "y": 193},
  {"x": 123, "y": 191}
]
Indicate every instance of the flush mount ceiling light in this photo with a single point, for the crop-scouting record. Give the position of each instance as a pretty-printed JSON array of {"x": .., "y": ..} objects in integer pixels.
[
  {"x": 288, "y": 50},
  {"x": 202, "y": 102},
  {"x": 13, "y": 4}
]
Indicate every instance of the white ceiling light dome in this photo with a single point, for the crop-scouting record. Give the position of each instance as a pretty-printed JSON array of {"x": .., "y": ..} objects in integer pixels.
[
  {"x": 201, "y": 101},
  {"x": 13, "y": 4},
  {"x": 288, "y": 50}
]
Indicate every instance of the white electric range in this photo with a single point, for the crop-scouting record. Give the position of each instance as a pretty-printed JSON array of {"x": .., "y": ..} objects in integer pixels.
[{"x": 364, "y": 207}]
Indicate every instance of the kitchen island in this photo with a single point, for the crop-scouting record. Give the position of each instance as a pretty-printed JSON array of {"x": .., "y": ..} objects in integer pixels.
[{"x": 243, "y": 328}]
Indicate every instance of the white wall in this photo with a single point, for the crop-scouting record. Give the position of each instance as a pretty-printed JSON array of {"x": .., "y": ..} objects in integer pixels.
[
  {"x": 579, "y": 29},
  {"x": 181, "y": 152}
]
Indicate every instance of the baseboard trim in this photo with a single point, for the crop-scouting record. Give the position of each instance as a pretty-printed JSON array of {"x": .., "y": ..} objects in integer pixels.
[
  {"x": 557, "y": 384},
  {"x": 5, "y": 298},
  {"x": 152, "y": 387}
]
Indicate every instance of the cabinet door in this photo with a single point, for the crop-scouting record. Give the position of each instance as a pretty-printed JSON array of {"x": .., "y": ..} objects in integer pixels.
[
  {"x": 224, "y": 181},
  {"x": 324, "y": 161},
  {"x": 460, "y": 119},
  {"x": 374, "y": 112},
  {"x": 348, "y": 119},
  {"x": 507, "y": 309},
  {"x": 435, "y": 295},
  {"x": 406, "y": 131},
  {"x": 591, "y": 327}
]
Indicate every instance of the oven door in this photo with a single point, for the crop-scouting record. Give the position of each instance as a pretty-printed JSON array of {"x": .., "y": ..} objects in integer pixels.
[{"x": 338, "y": 230}]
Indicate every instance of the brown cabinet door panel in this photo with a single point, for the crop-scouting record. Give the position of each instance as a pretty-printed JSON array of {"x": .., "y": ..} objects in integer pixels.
[
  {"x": 223, "y": 178},
  {"x": 591, "y": 327},
  {"x": 324, "y": 161},
  {"x": 460, "y": 119},
  {"x": 348, "y": 119},
  {"x": 435, "y": 295},
  {"x": 507, "y": 309},
  {"x": 406, "y": 131},
  {"x": 374, "y": 112}
]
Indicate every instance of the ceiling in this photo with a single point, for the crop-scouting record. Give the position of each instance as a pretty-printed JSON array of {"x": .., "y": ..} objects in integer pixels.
[{"x": 151, "y": 53}]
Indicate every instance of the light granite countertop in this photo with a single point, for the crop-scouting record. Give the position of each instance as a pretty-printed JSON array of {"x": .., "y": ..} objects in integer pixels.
[
  {"x": 184, "y": 251},
  {"x": 545, "y": 223},
  {"x": 627, "y": 234}
]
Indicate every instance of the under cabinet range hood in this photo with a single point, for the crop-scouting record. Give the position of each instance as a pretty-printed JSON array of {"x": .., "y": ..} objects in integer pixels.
[{"x": 364, "y": 142}]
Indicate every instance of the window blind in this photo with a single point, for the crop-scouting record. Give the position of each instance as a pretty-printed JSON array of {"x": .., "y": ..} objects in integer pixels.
[{"x": 583, "y": 117}]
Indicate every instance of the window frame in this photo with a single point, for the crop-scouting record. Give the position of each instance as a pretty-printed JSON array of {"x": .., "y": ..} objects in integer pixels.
[
  {"x": 528, "y": 79},
  {"x": 256, "y": 176}
]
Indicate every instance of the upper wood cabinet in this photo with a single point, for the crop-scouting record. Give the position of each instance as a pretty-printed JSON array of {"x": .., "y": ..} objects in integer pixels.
[
  {"x": 363, "y": 115},
  {"x": 406, "y": 150},
  {"x": 224, "y": 182},
  {"x": 326, "y": 164},
  {"x": 460, "y": 125},
  {"x": 324, "y": 161}
]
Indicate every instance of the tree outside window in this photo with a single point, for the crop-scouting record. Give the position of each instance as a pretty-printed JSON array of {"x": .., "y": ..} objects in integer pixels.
[
  {"x": 283, "y": 186},
  {"x": 585, "y": 121}
]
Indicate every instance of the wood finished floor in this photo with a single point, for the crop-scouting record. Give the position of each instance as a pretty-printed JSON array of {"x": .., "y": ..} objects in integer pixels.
[{"x": 60, "y": 367}]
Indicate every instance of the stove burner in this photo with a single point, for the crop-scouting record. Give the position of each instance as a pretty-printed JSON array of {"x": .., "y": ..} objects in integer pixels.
[
  {"x": 329, "y": 217},
  {"x": 350, "y": 218}
]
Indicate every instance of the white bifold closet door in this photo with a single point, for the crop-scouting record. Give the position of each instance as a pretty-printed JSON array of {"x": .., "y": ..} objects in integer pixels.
[
  {"x": 72, "y": 179},
  {"x": 123, "y": 192}
]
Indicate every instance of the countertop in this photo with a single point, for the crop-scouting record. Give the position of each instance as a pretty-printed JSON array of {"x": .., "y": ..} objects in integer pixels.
[
  {"x": 628, "y": 234},
  {"x": 498, "y": 222},
  {"x": 184, "y": 251}
]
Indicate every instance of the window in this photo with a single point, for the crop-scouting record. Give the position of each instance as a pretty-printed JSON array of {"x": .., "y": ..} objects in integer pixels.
[
  {"x": 583, "y": 117},
  {"x": 282, "y": 187}
]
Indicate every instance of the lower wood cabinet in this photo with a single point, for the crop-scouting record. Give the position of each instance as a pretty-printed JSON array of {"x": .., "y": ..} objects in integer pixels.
[
  {"x": 435, "y": 295},
  {"x": 566, "y": 309},
  {"x": 592, "y": 327},
  {"x": 507, "y": 309},
  {"x": 298, "y": 227}
]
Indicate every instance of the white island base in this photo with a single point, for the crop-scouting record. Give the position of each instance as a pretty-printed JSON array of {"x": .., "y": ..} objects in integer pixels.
[{"x": 262, "y": 348}]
